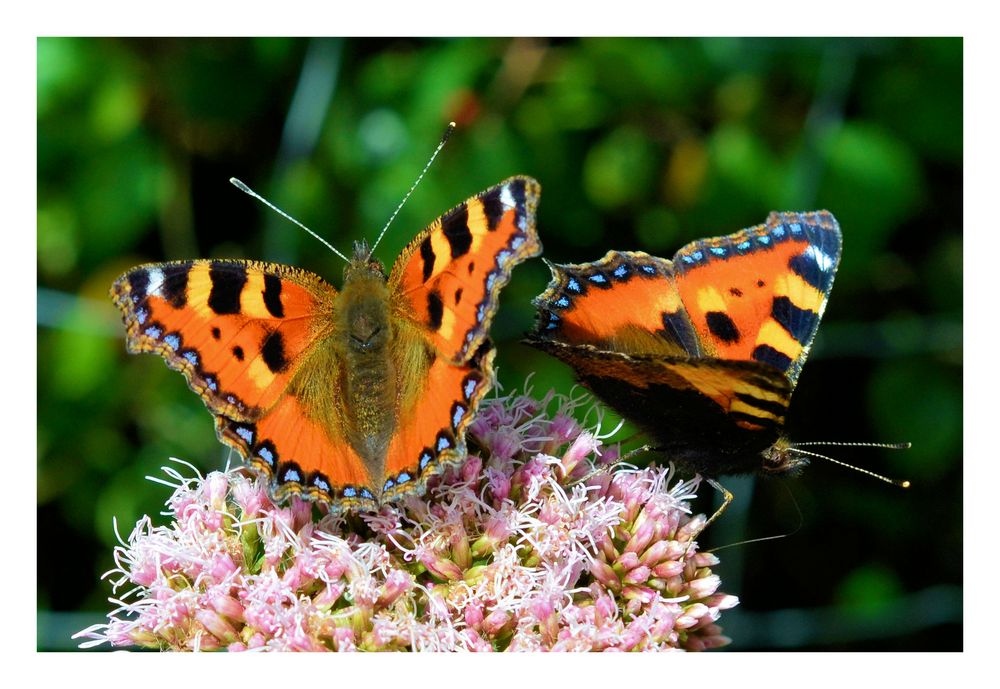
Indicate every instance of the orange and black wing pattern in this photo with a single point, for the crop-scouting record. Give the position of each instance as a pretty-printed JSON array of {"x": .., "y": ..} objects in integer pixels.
[
  {"x": 248, "y": 337},
  {"x": 445, "y": 286},
  {"x": 625, "y": 302},
  {"x": 759, "y": 294},
  {"x": 430, "y": 435},
  {"x": 704, "y": 351},
  {"x": 237, "y": 330},
  {"x": 299, "y": 447},
  {"x": 448, "y": 279}
]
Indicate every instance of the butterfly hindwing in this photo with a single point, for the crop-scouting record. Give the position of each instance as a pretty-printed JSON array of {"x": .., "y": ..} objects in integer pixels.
[
  {"x": 431, "y": 435},
  {"x": 448, "y": 278},
  {"x": 237, "y": 330},
  {"x": 755, "y": 395},
  {"x": 300, "y": 449}
]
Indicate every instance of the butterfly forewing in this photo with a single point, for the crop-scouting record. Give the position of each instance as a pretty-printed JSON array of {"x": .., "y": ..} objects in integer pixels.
[
  {"x": 625, "y": 302},
  {"x": 237, "y": 330},
  {"x": 758, "y": 294},
  {"x": 449, "y": 277}
]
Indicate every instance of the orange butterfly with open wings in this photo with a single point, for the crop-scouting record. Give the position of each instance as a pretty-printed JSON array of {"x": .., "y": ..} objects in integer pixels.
[{"x": 349, "y": 398}]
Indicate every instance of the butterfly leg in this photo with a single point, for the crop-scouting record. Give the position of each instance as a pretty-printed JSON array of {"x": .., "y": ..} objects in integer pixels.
[
  {"x": 727, "y": 498},
  {"x": 637, "y": 451}
]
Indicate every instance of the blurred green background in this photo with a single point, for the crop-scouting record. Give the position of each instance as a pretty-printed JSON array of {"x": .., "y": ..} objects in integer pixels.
[{"x": 638, "y": 144}]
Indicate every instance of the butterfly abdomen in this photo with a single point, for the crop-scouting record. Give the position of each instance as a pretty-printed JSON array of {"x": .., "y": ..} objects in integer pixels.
[{"x": 364, "y": 336}]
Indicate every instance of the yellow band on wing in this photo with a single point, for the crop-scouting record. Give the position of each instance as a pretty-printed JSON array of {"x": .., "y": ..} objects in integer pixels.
[
  {"x": 800, "y": 292},
  {"x": 199, "y": 287},
  {"x": 476, "y": 222},
  {"x": 709, "y": 300},
  {"x": 773, "y": 335}
]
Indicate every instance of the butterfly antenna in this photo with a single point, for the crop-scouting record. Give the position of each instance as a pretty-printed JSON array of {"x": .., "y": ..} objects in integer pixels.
[
  {"x": 748, "y": 542},
  {"x": 244, "y": 188},
  {"x": 884, "y": 446},
  {"x": 888, "y": 446},
  {"x": 444, "y": 140}
]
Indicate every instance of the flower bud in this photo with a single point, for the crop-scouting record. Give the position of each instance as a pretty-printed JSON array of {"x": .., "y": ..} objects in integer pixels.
[
  {"x": 216, "y": 625},
  {"x": 474, "y": 615},
  {"x": 495, "y": 622},
  {"x": 641, "y": 537},
  {"x": 636, "y": 576},
  {"x": 704, "y": 587},
  {"x": 668, "y": 569},
  {"x": 441, "y": 567},
  {"x": 604, "y": 574},
  {"x": 227, "y": 605}
]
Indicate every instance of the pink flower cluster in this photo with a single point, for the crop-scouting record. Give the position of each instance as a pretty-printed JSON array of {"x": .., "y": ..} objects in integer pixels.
[{"x": 539, "y": 541}]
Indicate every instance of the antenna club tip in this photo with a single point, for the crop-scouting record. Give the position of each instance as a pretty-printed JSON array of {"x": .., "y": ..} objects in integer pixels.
[{"x": 904, "y": 484}]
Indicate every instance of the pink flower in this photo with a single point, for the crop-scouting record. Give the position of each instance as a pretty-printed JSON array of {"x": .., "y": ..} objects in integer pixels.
[{"x": 533, "y": 544}]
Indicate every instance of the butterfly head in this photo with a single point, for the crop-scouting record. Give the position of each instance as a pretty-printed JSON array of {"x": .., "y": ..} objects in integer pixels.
[
  {"x": 781, "y": 458},
  {"x": 363, "y": 266},
  {"x": 364, "y": 303}
]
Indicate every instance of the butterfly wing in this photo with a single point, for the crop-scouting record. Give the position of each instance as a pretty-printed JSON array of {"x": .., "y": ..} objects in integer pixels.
[
  {"x": 448, "y": 279},
  {"x": 445, "y": 288},
  {"x": 759, "y": 294},
  {"x": 430, "y": 433},
  {"x": 249, "y": 339},
  {"x": 755, "y": 295},
  {"x": 237, "y": 330},
  {"x": 710, "y": 416},
  {"x": 625, "y": 302},
  {"x": 300, "y": 447}
]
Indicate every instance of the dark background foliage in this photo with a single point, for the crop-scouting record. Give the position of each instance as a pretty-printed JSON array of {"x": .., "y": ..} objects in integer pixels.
[{"x": 639, "y": 144}]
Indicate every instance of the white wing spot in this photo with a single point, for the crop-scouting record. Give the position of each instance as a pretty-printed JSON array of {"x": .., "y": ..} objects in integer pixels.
[
  {"x": 822, "y": 259},
  {"x": 155, "y": 283},
  {"x": 505, "y": 197}
]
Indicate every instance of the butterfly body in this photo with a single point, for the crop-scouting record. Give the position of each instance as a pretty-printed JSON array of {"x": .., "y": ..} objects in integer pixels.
[
  {"x": 366, "y": 346},
  {"x": 701, "y": 352},
  {"x": 350, "y": 398}
]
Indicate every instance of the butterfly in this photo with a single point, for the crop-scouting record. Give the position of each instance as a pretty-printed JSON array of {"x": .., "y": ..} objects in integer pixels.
[
  {"x": 349, "y": 398},
  {"x": 701, "y": 352}
]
